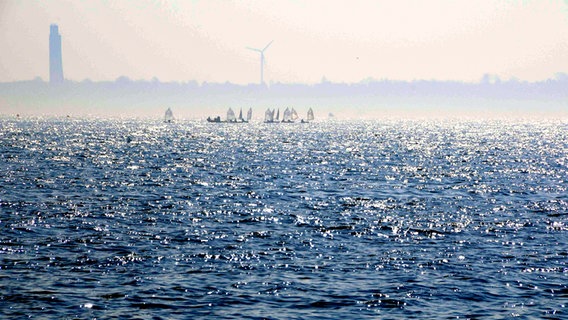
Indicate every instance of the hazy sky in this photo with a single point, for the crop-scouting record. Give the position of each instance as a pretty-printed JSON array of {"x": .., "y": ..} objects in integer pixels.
[{"x": 344, "y": 41}]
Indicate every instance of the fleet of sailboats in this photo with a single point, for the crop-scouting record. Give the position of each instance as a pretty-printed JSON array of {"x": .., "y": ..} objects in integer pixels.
[
  {"x": 231, "y": 118},
  {"x": 290, "y": 115}
]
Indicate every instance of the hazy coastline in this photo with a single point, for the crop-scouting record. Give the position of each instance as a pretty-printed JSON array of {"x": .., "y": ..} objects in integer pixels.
[{"x": 369, "y": 99}]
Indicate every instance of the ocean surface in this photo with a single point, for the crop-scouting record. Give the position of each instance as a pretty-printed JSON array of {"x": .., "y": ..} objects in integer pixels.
[{"x": 327, "y": 220}]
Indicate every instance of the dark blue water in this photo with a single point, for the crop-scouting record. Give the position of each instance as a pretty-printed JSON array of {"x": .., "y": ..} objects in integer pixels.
[{"x": 387, "y": 219}]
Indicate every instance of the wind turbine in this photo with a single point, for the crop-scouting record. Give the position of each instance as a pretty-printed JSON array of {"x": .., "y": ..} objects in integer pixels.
[{"x": 261, "y": 60}]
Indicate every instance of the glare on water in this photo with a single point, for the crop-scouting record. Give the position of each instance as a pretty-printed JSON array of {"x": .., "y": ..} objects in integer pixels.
[{"x": 401, "y": 219}]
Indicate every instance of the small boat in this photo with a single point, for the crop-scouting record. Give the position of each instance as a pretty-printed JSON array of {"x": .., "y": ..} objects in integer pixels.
[
  {"x": 231, "y": 116},
  {"x": 169, "y": 116},
  {"x": 216, "y": 119},
  {"x": 249, "y": 115},
  {"x": 310, "y": 116},
  {"x": 286, "y": 115},
  {"x": 294, "y": 114},
  {"x": 241, "y": 119},
  {"x": 289, "y": 116},
  {"x": 269, "y": 116}
]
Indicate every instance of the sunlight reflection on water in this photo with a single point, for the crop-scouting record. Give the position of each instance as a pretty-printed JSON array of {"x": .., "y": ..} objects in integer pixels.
[{"x": 321, "y": 220}]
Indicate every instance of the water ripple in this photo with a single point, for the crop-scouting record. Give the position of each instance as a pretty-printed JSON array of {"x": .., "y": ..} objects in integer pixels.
[{"x": 392, "y": 219}]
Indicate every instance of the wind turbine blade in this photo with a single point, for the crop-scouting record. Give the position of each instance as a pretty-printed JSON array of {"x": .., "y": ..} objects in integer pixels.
[
  {"x": 254, "y": 49},
  {"x": 268, "y": 45}
]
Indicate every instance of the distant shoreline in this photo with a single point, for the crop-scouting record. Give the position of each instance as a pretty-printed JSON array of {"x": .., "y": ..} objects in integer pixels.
[{"x": 127, "y": 98}]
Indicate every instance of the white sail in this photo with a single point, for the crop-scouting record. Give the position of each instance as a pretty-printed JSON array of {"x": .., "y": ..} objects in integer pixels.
[
  {"x": 277, "y": 115},
  {"x": 269, "y": 115},
  {"x": 169, "y": 116},
  {"x": 241, "y": 115},
  {"x": 310, "y": 114},
  {"x": 287, "y": 116},
  {"x": 249, "y": 114},
  {"x": 231, "y": 115},
  {"x": 293, "y": 114}
]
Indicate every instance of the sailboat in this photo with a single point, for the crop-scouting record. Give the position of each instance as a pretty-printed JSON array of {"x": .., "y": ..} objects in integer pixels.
[
  {"x": 269, "y": 116},
  {"x": 277, "y": 115},
  {"x": 231, "y": 116},
  {"x": 293, "y": 115},
  {"x": 310, "y": 116},
  {"x": 169, "y": 116},
  {"x": 240, "y": 118},
  {"x": 249, "y": 115},
  {"x": 290, "y": 115},
  {"x": 287, "y": 115}
]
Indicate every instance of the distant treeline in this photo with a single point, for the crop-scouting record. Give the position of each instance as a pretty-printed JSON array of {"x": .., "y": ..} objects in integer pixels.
[{"x": 370, "y": 98}]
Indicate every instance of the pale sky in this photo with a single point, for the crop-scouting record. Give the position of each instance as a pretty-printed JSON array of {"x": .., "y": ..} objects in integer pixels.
[{"x": 343, "y": 41}]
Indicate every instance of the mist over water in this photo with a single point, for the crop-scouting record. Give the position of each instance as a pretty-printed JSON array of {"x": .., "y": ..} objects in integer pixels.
[
  {"x": 370, "y": 99},
  {"x": 388, "y": 219}
]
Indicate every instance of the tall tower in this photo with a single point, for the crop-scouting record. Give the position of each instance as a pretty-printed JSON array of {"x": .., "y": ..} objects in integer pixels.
[{"x": 55, "y": 60}]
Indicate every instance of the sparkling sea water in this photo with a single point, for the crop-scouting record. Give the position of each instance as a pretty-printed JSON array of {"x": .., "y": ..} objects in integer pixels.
[{"x": 355, "y": 219}]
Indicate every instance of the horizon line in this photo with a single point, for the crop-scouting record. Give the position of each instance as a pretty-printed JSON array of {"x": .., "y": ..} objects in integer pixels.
[{"x": 485, "y": 79}]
